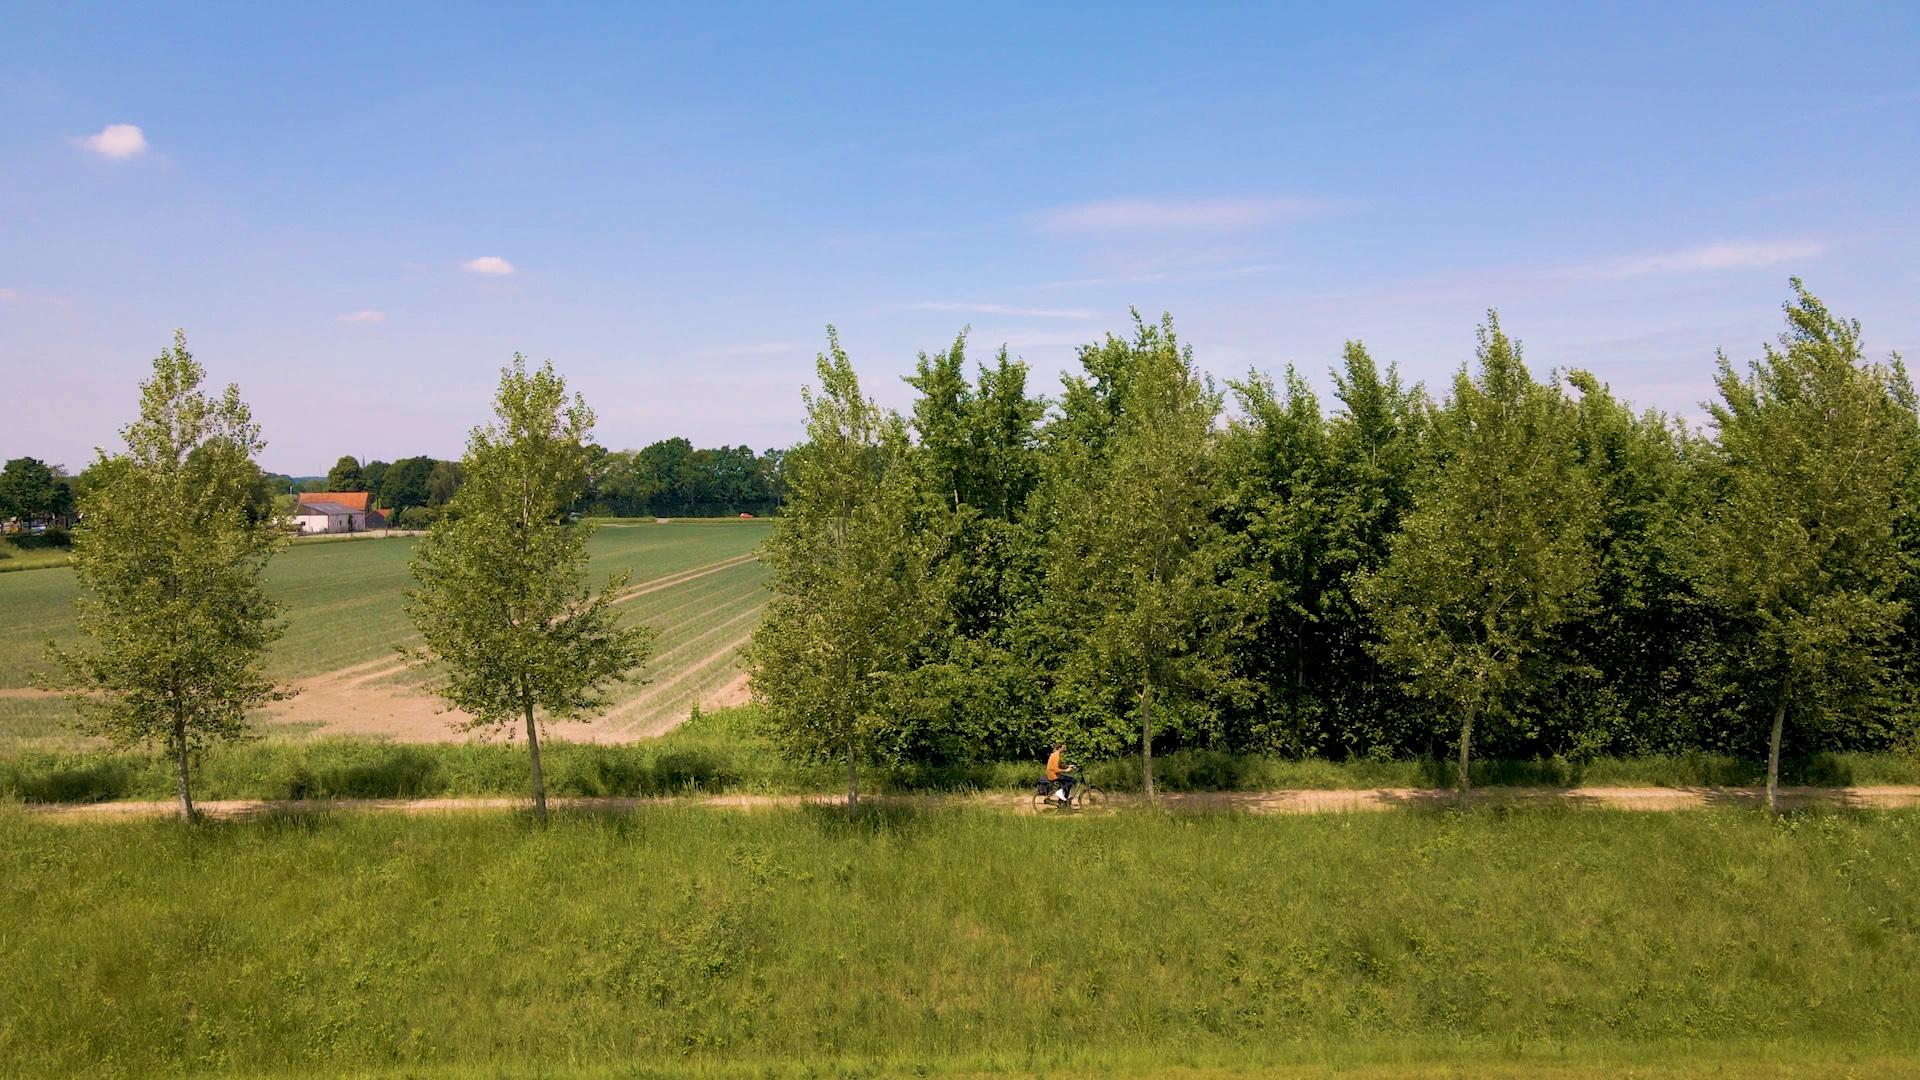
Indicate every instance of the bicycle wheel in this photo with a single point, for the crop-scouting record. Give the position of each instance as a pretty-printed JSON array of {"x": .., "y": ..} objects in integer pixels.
[
  {"x": 1088, "y": 797},
  {"x": 1040, "y": 803}
]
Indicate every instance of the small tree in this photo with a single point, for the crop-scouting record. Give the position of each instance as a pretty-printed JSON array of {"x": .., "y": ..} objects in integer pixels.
[
  {"x": 1129, "y": 503},
  {"x": 1495, "y": 553},
  {"x": 169, "y": 556},
  {"x": 510, "y": 621},
  {"x": 346, "y": 475},
  {"x": 844, "y": 602},
  {"x": 1800, "y": 546}
]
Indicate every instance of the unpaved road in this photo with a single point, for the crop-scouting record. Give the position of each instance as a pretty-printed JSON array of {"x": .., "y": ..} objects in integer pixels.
[{"x": 1251, "y": 802}]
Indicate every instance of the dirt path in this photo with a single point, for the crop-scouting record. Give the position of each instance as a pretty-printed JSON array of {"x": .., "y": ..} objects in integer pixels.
[
  {"x": 738, "y": 692},
  {"x": 1252, "y": 802}
]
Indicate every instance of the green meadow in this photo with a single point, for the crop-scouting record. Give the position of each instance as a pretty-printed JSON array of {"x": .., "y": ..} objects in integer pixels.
[
  {"x": 682, "y": 941},
  {"x": 344, "y": 607}
]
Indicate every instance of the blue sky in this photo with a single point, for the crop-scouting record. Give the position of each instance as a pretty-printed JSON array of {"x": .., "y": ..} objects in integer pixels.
[{"x": 685, "y": 199}]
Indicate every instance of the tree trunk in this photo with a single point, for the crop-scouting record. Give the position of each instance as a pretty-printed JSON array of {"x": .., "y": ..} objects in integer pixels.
[
  {"x": 1146, "y": 736},
  {"x": 1466, "y": 741},
  {"x": 1773, "y": 754},
  {"x": 533, "y": 750},
  {"x": 853, "y": 781},
  {"x": 180, "y": 763}
]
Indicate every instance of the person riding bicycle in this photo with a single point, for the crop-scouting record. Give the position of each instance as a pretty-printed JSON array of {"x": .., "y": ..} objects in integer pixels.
[{"x": 1060, "y": 775}]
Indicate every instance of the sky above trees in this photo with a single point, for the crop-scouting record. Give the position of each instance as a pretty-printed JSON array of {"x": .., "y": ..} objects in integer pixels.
[{"x": 361, "y": 215}]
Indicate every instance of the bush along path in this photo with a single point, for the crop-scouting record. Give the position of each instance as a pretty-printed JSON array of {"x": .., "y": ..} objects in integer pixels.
[{"x": 1249, "y": 802}]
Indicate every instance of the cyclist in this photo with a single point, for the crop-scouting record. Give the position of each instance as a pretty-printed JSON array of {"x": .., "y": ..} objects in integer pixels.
[{"x": 1059, "y": 775}]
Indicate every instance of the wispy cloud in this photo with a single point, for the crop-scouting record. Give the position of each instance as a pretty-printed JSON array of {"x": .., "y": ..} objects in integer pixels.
[
  {"x": 763, "y": 348},
  {"x": 1119, "y": 215},
  {"x": 368, "y": 316},
  {"x": 8, "y": 296},
  {"x": 487, "y": 264},
  {"x": 116, "y": 141},
  {"x": 1706, "y": 258},
  {"x": 969, "y": 308},
  {"x": 1041, "y": 339}
]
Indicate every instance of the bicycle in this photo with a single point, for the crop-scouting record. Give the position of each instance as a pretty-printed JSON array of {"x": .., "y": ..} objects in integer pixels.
[{"x": 1085, "y": 796}]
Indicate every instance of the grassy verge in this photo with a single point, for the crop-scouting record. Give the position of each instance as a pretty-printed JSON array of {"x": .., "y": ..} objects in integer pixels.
[
  {"x": 677, "y": 940},
  {"x": 33, "y": 558},
  {"x": 720, "y": 752}
]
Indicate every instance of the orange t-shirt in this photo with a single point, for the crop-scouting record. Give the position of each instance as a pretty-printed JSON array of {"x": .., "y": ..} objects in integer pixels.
[{"x": 1053, "y": 766}]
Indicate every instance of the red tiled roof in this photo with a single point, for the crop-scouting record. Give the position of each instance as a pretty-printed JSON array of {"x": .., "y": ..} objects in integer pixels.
[{"x": 352, "y": 500}]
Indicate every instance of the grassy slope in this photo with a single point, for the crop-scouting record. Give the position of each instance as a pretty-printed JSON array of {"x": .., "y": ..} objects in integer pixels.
[{"x": 682, "y": 938}]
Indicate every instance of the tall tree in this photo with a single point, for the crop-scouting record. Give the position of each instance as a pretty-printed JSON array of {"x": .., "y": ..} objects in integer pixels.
[
  {"x": 1495, "y": 554},
  {"x": 443, "y": 482},
  {"x": 374, "y": 473},
  {"x": 31, "y": 490},
  {"x": 404, "y": 484},
  {"x": 169, "y": 556},
  {"x": 514, "y": 629},
  {"x": 844, "y": 605},
  {"x": 346, "y": 475},
  {"x": 1130, "y": 495},
  {"x": 1800, "y": 546}
]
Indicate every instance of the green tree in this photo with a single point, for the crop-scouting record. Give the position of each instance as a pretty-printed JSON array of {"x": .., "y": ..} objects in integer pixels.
[
  {"x": 443, "y": 482},
  {"x": 169, "y": 556},
  {"x": 1495, "y": 554},
  {"x": 346, "y": 475},
  {"x": 30, "y": 490},
  {"x": 513, "y": 628},
  {"x": 405, "y": 484},
  {"x": 844, "y": 605},
  {"x": 374, "y": 473},
  {"x": 1129, "y": 499},
  {"x": 1800, "y": 545}
]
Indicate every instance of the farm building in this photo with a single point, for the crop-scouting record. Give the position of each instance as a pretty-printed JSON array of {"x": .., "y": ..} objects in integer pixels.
[{"x": 337, "y": 512}]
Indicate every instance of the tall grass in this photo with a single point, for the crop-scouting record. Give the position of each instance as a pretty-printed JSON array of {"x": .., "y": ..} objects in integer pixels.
[
  {"x": 721, "y": 751},
  {"x": 925, "y": 941}
]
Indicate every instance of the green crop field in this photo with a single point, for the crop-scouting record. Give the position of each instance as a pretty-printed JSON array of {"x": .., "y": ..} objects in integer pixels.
[
  {"x": 696, "y": 583},
  {"x": 797, "y": 942}
]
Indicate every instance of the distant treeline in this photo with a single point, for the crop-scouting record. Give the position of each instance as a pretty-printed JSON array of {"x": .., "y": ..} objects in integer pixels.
[
  {"x": 667, "y": 479},
  {"x": 1529, "y": 564},
  {"x": 672, "y": 479}
]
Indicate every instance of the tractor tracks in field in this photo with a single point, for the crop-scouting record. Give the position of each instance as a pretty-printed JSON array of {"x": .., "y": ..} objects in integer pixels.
[
  {"x": 1660, "y": 800},
  {"x": 367, "y": 671}
]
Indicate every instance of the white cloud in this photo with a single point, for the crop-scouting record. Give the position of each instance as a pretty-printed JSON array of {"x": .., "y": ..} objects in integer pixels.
[
  {"x": 368, "y": 316},
  {"x": 487, "y": 264},
  {"x": 8, "y": 295},
  {"x": 1003, "y": 309},
  {"x": 116, "y": 141},
  {"x": 1116, "y": 215},
  {"x": 1703, "y": 259}
]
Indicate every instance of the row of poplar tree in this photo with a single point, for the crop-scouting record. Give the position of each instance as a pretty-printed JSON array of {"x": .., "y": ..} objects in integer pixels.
[{"x": 1520, "y": 566}]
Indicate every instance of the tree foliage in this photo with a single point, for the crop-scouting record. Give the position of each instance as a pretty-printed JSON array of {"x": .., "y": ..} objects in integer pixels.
[
  {"x": 514, "y": 631},
  {"x": 31, "y": 490},
  {"x": 845, "y": 570},
  {"x": 1496, "y": 553},
  {"x": 346, "y": 475},
  {"x": 1525, "y": 567},
  {"x": 1800, "y": 544},
  {"x": 169, "y": 557}
]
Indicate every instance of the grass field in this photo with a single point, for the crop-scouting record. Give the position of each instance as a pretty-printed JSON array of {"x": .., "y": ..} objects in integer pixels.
[
  {"x": 795, "y": 942},
  {"x": 344, "y": 616}
]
